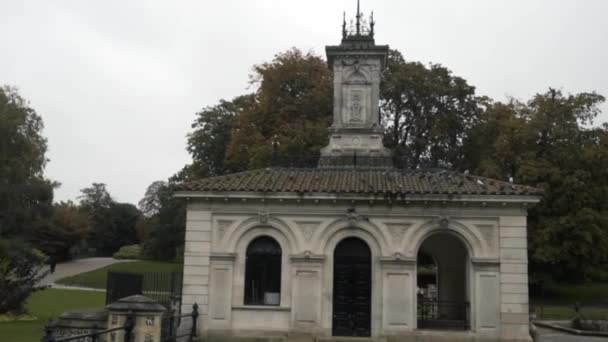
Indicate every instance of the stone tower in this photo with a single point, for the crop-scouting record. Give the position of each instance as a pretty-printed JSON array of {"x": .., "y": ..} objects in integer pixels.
[{"x": 356, "y": 133}]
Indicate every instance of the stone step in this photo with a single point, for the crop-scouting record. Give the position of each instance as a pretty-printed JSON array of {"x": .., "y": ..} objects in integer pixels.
[{"x": 350, "y": 339}]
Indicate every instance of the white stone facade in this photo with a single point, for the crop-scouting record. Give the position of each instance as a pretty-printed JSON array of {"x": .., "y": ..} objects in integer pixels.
[{"x": 220, "y": 227}]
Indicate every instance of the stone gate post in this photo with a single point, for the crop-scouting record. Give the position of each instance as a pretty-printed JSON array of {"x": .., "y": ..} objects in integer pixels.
[{"x": 146, "y": 314}]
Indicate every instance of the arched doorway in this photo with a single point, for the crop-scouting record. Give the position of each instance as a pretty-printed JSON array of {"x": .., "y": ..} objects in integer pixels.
[
  {"x": 442, "y": 280},
  {"x": 352, "y": 288}
]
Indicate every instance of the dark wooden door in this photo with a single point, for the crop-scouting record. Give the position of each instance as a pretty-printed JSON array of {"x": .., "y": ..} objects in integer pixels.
[{"x": 352, "y": 289}]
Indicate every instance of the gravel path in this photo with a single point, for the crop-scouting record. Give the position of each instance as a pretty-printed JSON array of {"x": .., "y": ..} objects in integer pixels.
[{"x": 70, "y": 268}]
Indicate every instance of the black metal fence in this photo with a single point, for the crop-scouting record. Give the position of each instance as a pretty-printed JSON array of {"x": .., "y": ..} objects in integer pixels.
[
  {"x": 177, "y": 326},
  {"x": 165, "y": 288},
  {"x": 92, "y": 336},
  {"x": 433, "y": 314}
]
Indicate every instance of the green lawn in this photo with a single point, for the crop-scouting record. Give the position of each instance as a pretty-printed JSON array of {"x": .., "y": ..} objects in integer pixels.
[
  {"x": 45, "y": 305},
  {"x": 558, "y": 300},
  {"x": 97, "y": 278}
]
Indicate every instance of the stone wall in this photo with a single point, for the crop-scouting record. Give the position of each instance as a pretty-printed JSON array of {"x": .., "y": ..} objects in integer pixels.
[{"x": 219, "y": 230}]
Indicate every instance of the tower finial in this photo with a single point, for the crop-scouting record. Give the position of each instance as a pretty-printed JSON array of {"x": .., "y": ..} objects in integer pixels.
[
  {"x": 344, "y": 25},
  {"x": 371, "y": 25},
  {"x": 358, "y": 19}
]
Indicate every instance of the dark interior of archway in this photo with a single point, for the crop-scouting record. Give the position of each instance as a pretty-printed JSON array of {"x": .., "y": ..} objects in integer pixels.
[
  {"x": 442, "y": 282},
  {"x": 263, "y": 272},
  {"x": 352, "y": 288},
  {"x": 427, "y": 275}
]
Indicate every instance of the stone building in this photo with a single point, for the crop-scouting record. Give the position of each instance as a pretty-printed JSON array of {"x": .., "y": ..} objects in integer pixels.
[{"x": 356, "y": 247}]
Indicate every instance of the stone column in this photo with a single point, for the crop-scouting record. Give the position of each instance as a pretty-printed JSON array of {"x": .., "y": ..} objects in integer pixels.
[{"x": 145, "y": 313}]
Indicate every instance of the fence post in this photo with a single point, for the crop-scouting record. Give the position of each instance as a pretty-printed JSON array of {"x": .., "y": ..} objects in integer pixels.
[
  {"x": 194, "y": 321},
  {"x": 48, "y": 332},
  {"x": 129, "y": 325},
  {"x": 95, "y": 329}
]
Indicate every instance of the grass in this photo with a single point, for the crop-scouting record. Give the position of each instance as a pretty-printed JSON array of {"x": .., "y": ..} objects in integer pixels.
[
  {"x": 97, "y": 278},
  {"x": 45, "y": 305},
  {"x": 558, "y": 300}
]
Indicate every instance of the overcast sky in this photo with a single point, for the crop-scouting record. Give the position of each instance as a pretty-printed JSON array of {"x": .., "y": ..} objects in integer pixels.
[{"x": 117, "y": 83}]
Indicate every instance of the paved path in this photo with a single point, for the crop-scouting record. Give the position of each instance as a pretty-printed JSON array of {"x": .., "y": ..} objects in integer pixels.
[
  {"x": 70, "y": 268},
  {"x": 550, "y": 335}
]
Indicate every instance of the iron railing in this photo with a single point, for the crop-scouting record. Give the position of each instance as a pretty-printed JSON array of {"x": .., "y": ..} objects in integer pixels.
[
  {"x": 164, "y": 287},
  {"x": 170, "y": 330},
  {"x": 437, "y": 314},
  {"x": 92, "y": 336}
]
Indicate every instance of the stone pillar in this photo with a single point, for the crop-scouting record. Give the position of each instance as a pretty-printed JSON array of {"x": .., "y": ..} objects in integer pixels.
[
  {"x": 514, "y": 310},
  {"x": 145, "y": 313},
  {"x": 398, "y": 294}
]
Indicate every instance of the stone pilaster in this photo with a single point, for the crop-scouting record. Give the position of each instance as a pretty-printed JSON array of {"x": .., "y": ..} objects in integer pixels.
[
  {"x": 196, "y": 261},
  {"x": 514, "y": 308}
]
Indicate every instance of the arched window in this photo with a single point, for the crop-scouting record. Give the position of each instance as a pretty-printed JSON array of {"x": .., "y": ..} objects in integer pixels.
[{"x": 263, "y": 272}]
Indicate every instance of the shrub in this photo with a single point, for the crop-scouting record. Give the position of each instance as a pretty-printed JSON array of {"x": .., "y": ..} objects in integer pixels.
[
  {"x": 20, "y": 272},
  {"x": 128, "y": 252}
]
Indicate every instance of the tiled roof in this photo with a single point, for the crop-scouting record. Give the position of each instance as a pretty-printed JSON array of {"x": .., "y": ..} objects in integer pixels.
[{"x": 356, "y": 181}]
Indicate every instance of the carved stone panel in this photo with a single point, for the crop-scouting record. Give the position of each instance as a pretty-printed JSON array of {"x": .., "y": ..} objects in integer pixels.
[
  {"x": 222, "y": 226},
  {"x": 490, "y": 235},
  {"x": 398, "y": 230},
  {"x": 356, "y": 108},
  {"x": 308, "y": 229}
]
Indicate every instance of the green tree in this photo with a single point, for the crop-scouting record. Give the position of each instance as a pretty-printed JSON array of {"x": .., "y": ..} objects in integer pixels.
[
  {"x": 25, "y": 194},
  {"x": 113, "y": 224},
  {"x": 427, "y": 112},
  {"x": 20, "y": 271},
  {"x": 25, "y": 198},
  {"x": 546, "y": 142},
  {"x": 211, "y": 134},
  {"x": 163, "y": 229}
]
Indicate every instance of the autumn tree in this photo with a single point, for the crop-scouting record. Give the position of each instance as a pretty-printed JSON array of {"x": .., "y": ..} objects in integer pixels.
[
  {"x": 292, "y": 107},
  {"x": 67, "y": 226}
]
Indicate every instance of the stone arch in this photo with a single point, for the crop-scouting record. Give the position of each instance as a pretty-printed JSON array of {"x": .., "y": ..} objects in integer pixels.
[
  {"x": 450, "y": 300},
  {"x": 341, "y": 228},
  {"x": 377, "y": 243},
  {"x": 240, "y": 239},
  {"x": 473, "y": 241},
  {"x": 252, "y": 227}
]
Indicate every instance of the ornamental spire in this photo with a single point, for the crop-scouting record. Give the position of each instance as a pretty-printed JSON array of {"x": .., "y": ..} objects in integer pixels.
[
  {"x": 358, "y": 19},
  {"x": 359, "y": 29}
]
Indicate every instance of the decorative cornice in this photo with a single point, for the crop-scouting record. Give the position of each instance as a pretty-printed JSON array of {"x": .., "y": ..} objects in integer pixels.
[
  {"x": 485, "y": 262},
  {"x": 307, "y": 257},
  {"x": 397, "y": 259},
  {"x": 261, "y": 308},
  {"x": 223, "y": 256}
]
